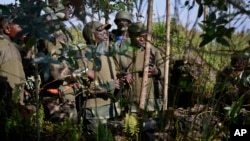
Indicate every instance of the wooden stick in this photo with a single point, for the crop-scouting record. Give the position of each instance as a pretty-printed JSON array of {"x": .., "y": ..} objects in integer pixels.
[
  {"x": 146, "y": 56},
  {"x": 167, "y": 54}
]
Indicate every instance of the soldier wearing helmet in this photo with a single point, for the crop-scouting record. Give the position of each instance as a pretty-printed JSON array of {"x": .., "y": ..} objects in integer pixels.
[{"x": 122, "y": 20}]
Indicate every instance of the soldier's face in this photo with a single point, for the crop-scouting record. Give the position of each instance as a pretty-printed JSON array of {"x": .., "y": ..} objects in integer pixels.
[
  {"x": 140, "y": 40},
  {"x": 122, "y": 24},
  {"x": 12, "y": 29},
  {"x": 101, "y": 36}
]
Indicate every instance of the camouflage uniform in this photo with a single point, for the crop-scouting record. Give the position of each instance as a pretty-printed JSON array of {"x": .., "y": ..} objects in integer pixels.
[
  {"x": 153, "y": 92},
  {"x": 99, "y": 105}
]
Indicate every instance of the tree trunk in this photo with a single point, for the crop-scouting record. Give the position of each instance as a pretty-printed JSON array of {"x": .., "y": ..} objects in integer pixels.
[
  {"x": 167, "y": 54},
  {"x": 146, "y": 56}
]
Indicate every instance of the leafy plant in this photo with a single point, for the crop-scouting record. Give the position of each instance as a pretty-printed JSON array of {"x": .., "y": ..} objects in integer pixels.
[
  {"x": 131, "y": 127},
  {"x": 103, "y": 133}
]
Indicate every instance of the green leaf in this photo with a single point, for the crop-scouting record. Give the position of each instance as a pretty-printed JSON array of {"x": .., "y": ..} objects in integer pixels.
[
  {"x": 4, "y": 11},
  {"x": 229, "y": 32},
  {"x": 222, "y": 20},
  {"x": 223, "y": 41},
  {"x": 206, "y": 40},
  {"x": 200, "y": 11},
  {"x": 186, "y": 3},
  {"x": 98, "y": 64},
  {"x": 202, "y": 26}
]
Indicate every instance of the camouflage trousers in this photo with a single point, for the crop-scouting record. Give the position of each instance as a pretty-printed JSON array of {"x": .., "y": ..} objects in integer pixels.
[{"x": 95, "y": 116}]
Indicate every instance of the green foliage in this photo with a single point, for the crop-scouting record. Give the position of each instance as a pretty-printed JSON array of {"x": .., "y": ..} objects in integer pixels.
[
  {"x": 104, "y": 133},
  {"x": 101, "y": 8},
  {"x": 234, "y": 110},
  {"x": 130, "y": 126},
  {"x": 214, "y": 28}
]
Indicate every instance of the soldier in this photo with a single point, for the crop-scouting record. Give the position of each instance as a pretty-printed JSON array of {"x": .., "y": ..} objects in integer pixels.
[
  {"x": 99, "y": 105},
  {"x": 122, "y": 19},
  {"x": 10, "y": 59},
  {"x": 233, "y": 81},
  {"x": 12, "y": 78},
  {"x": 58, "y": 94},
  {"x": 121, "y": 41},
  {"x": 137, "y": 33}
]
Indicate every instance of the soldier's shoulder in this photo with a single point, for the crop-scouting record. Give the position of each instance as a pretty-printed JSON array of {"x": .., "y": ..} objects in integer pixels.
[
  {"x": 2, "y": 37},
  {"x": 3, "y": 40}
]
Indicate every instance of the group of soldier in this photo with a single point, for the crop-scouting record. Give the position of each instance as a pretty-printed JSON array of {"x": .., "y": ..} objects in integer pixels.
[{"x": 106, "y": 84}]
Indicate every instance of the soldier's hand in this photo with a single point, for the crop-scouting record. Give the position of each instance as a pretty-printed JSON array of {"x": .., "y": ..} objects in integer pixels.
[
  {"x": 91, "y": 74},
  {"x": 153, "y": 71},
  {"x": 117, "y": 83},
  {"x": 128, "y": 78}
]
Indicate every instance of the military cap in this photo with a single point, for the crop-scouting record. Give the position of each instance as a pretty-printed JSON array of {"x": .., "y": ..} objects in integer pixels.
[
  {"x": 96, "y": 26},
  {"x": 137, "y": 28},
  {"x": 91, "y": 27}
]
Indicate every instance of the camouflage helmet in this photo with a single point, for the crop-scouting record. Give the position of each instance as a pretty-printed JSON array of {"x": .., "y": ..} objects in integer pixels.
[
  {"x": 125, "y": 15},
  {"x": 137, "y": 29},
  {"x": 90, "y": 28}
]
